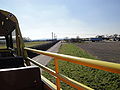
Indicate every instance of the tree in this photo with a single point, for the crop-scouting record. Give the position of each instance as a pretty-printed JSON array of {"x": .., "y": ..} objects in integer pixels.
[
  {"x": 115, "y": 35},
  {"x": 26, "y": 39}
]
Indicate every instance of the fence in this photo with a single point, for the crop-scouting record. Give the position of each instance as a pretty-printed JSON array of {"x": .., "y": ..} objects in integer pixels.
[{"x": 102, "y": 65}]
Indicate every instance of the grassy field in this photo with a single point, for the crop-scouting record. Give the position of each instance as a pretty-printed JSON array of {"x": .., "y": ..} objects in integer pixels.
[
  {"x": 28, "y": 44},
  {"x": 94, "y": 78}
]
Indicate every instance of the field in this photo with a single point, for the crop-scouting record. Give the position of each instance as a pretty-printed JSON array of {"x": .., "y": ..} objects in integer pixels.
[
  {"x": 30, "y": 44},
  {"x": 107, "y": 51},
  {"x": 94, "y": 78},
  {"x": 27, "y": 44}
]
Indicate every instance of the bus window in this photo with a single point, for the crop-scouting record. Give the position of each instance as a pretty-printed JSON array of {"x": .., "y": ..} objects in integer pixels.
[{"x": 2, "y": 42}]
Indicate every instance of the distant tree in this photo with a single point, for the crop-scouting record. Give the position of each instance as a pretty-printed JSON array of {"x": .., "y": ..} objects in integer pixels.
[
  {"x": 26, "y": 39},
  {"x": 119, "y": 36},
  {"x": 77, "y": 37},
  {"x": 66, "y": 39},
  {"x": 115, "y": 35},
  {"x": 100, "y": 36}
]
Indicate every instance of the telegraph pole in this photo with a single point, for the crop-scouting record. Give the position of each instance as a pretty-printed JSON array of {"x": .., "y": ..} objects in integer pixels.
[{"x": 52, "y": 36}]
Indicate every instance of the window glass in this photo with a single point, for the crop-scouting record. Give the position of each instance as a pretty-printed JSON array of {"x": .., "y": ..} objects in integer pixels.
[{"x": 2, "y": 42}]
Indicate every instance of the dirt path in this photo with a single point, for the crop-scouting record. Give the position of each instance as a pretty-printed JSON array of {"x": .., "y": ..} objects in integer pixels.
[
  {"x": 42, "y": 59},
  {"x": 107, "y": 51}
]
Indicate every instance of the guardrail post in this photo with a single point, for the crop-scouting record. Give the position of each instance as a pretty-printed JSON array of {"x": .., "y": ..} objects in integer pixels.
[{"x": 57, "y": 71}]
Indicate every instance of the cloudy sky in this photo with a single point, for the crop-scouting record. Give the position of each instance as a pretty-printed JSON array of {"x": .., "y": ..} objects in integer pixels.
[{"x": 66, "y": 18}]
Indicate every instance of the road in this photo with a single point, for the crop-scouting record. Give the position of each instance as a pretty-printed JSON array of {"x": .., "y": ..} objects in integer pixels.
[{"x": 44, "y": 60}]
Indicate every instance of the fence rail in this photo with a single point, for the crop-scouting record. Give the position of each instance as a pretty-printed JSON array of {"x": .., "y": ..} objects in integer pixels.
[{"x": 102, "y": 65}]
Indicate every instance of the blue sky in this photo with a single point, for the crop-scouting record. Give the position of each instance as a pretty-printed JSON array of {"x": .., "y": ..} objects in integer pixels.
[{"x": 66, "y": 18}]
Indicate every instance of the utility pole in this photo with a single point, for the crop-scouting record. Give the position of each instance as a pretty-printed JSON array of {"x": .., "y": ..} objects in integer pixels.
[
  {"x": 56, "y": 37},
  {"x": 52, "y": 36}
]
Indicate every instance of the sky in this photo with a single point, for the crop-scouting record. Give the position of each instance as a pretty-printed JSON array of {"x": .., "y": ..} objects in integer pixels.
[{"x": 65, "y": 18}]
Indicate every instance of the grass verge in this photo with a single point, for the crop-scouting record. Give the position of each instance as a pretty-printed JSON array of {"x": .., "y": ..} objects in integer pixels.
[{"x": 94, "y": 78}]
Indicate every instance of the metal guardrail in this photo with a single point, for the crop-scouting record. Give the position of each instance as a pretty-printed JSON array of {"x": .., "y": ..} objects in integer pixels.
[{"x": 102, "y": 65}]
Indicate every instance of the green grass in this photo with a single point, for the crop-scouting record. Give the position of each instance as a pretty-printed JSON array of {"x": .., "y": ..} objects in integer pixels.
[
  {"x": 71, "y": 49},
  {"x": 27, "y": 44},
  {"x": 30, "y": 44},
  {"x": 94, "y": 78}
]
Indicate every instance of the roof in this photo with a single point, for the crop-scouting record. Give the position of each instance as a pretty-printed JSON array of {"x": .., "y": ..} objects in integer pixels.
[{"x": 6, "y": 25}]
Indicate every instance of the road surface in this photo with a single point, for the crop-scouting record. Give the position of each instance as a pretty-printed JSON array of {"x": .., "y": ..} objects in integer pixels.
[{"x": 44, "y": 60}]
